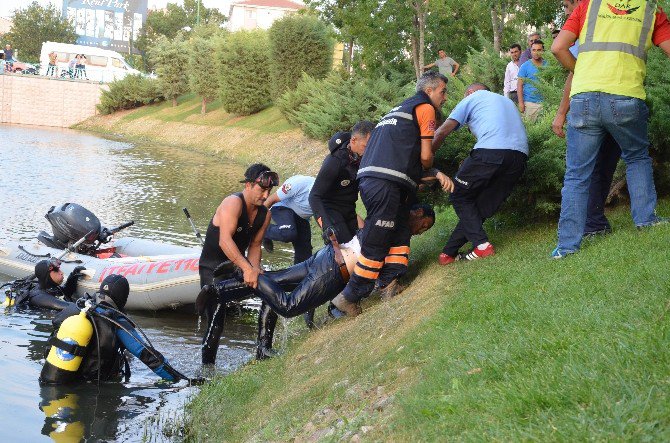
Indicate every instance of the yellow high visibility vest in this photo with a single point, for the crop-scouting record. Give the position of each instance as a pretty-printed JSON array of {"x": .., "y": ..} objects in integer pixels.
[{"x": 613, "y": 47}]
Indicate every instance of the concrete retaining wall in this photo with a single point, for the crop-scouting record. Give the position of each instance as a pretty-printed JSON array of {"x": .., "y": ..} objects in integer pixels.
[{"x": 34, "y": 100}]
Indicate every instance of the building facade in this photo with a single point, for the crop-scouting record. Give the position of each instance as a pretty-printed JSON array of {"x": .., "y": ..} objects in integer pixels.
[{"x": 259, "y": 14}]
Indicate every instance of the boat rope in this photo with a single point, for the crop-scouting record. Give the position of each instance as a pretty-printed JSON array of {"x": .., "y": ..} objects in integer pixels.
[{"x": 47, "y": 255}]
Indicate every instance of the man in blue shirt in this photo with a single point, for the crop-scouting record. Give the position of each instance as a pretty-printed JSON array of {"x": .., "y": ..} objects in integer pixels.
[
  {"x": 487, "y": 176},
  {"x": 530, "y": 99}
]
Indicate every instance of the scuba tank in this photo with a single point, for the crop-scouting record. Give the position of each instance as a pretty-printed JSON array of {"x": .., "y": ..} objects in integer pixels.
[{"x": 67, "y": 349}]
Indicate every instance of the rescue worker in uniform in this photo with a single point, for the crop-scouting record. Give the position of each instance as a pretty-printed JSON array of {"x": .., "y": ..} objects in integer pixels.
[
  {"x": 238, "y": 226},
  {"x": 335, "y": 191},
  {"x": 307, "y": 285},
  {"x": 399, "y": 150},
  {"x": 113, "y": 332},
  {"x": 49, "y": 294},
  {"x": 607, "y": 97}
]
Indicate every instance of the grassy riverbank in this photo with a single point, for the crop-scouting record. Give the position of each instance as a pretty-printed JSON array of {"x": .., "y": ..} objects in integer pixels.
[
  {"x": 265, "y": 136},
  {"x": 514, "y": 347}
]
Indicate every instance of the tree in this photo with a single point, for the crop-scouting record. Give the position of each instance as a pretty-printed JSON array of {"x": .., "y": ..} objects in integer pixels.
[
  {"x": 244, "y": 72},
  {"x": 171, "y": 61},
  {"x": 175, "y": 18},
  {"x": 37, "y": 24},
  {"x": 203, "y": 70},
  {"x": 298, "y": 44}
]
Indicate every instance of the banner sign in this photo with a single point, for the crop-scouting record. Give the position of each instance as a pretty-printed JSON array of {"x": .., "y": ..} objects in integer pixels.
[{"x": 109, "y": 24}]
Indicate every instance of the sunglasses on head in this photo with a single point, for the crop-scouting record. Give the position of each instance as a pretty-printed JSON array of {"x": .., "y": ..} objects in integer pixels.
[
  {"x": 265, "y": 179},
  {"x": 54, "y": 265}
]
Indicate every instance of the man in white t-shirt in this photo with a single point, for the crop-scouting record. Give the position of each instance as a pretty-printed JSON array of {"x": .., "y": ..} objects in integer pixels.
[
  {"x": 512, "y": 74},
  {"x": 291, "y": 212}
]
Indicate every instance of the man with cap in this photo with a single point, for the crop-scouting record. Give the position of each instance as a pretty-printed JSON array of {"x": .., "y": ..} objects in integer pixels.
[
  {"x": 238, "y": 226},
  {"x": 49, "y": 293},
  {"x": 113, "y": 332}
]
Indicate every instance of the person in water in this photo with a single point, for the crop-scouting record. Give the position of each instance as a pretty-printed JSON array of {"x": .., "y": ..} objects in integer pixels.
[
  {"x": 307, "y": 285},
  {"x": 113, "y": 333},
  {"x": 238, "y": 225},
  {"x": 50, "y": 293}
]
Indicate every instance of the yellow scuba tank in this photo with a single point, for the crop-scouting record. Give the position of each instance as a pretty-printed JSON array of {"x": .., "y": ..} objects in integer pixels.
[
  {"x": 9, "y": 300},
  {"x": 67, "y": 349}
]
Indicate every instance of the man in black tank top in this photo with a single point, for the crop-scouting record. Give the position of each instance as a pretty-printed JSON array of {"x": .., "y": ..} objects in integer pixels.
[{"x": 238, "y": 226}]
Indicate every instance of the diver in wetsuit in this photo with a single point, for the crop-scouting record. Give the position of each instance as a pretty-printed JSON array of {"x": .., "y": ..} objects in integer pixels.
[
  {"x": 307, "y": 285},
  {"x": 238, "y": 226},
  {"x": 49, "y": 293},
  {"x": 113, "y": 332}
]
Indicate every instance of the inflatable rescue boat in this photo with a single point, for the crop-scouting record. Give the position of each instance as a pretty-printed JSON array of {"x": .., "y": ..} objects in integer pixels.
[{"x": 160, "y": 275}]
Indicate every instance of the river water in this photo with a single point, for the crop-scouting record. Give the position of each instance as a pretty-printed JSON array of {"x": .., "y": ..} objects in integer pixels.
[{"x": 42, "y": 167}]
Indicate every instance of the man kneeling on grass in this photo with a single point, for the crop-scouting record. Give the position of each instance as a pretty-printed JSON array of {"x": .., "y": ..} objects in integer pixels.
[
  {"x": 487, "y": 176},
  {"x": 307, "y": 285}
]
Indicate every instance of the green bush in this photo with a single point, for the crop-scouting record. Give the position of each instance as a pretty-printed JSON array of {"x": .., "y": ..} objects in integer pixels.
[
  {"x": 203, "y": 70},
  {"x": 244, "y": 72},
  {"x": 336, "y": 103},
  {"x": 298, "y": 44},
  {"x": 170, "y": 58},
  {"x": 131, "y": 92}
]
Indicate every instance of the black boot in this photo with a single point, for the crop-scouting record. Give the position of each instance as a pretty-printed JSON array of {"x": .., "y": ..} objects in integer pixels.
[
  {"x": 267, "y": 320},
  {"x": 309, "y": 318}
]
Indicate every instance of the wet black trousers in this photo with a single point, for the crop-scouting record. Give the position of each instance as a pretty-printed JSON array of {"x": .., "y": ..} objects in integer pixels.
[
  {"x": 601, "y": 182},
  {"x": 386, "y": 229},
  {"x": 483, "y": 182},
  {"x": 289, "y": 227},
  {"x": 289, "y": 292}
]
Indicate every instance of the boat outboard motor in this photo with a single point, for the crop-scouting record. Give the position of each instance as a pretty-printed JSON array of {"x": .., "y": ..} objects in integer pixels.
[{"x": 70, "y": 222}]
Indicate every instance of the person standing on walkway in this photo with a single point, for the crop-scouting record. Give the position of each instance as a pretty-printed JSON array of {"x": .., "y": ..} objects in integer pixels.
[
  {"x": 607, "y": 97},
  {"x": 606, "y": 162},
  {"x": 512, "y": 74},
  {"x": 399, "y": 150},
  {"x": 486, "y": 178},
  {"x": 530, "y": 99}
]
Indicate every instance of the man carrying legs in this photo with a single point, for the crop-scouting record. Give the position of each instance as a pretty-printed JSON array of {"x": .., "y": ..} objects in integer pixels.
[{"x": 488, "y": 175}]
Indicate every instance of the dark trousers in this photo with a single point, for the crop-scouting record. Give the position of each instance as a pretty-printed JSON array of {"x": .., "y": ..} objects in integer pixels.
[
  {"x": 483, "y": 183},
  {"x": 601, "y": 182},
  {"x": 289, "y": 227},
  {"x": 514, "y": 96},
  {"x": 386, "y": 233}
]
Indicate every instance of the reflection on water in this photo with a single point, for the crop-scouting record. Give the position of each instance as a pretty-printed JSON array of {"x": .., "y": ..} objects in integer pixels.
[{"x": 118, "y": 182}]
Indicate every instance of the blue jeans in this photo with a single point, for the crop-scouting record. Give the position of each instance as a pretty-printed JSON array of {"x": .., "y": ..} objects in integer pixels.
[{"x": 592, "y": 116}]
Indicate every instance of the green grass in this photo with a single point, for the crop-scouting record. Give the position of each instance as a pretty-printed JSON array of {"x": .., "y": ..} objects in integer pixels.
[
  {"x": 514, "y": 347},
  {"x": 267, "y": 121}
]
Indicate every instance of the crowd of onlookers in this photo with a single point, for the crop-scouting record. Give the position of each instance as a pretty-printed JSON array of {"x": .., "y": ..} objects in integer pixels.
[{"x": 76, "y": 66}]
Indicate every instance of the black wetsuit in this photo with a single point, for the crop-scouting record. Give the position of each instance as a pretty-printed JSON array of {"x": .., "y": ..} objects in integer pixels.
[
  {"x": 212, "y": 256},
  {"x": 113, "y": 333},
  {"x": 46, "y": 294},
  {"x": 335, "y": 190},
  {"x": 290, "y": 292}
]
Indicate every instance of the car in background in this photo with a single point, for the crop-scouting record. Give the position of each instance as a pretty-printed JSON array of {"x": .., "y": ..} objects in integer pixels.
[{"x": 102, "y": 65}]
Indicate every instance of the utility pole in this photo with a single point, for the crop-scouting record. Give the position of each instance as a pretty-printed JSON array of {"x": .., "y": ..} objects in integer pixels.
[{"x": 197, "y": 21}]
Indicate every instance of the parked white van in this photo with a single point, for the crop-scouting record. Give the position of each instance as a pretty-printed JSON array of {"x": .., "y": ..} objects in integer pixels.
[{"x": 102, "y": 65}]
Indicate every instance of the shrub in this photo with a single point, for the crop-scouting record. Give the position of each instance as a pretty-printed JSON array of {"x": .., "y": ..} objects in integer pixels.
[
  {"x": 244, "y": 72},
  {"x": 298, "y": 44},
  {"x": 131, "y": 92},
  {"x": 336, "y": 103},
  {"x": 170, "y": 58},
  {"x": 203, "y": 71}
]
